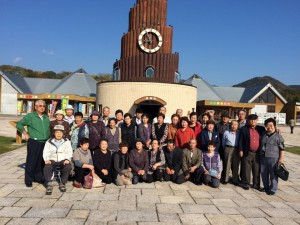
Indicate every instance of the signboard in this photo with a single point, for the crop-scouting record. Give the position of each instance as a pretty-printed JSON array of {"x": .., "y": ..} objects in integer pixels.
[
  {"x": 53, "y": 108},
  {"x": 279, "y": 117},
  {"x": 64, "y": 103}
]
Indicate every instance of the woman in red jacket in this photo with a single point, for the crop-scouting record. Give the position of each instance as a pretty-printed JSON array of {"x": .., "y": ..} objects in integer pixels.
[
  {"x": 184, "y": 134},
  {"x": 196, "y": 127}
]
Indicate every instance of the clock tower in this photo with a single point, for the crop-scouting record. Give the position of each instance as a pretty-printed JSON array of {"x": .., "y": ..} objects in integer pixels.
[{"x": 146, "y": 49}]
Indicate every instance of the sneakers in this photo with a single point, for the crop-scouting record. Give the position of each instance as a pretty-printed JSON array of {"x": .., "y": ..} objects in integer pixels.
[
  {"x": 49, "y": 190},
  {"x": 62, "y": 187}
]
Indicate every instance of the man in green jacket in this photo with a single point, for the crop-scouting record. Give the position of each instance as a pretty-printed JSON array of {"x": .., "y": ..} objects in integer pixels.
[{"x": 38, "y": 132}]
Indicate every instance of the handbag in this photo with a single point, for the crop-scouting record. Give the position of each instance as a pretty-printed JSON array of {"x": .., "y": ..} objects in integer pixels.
[
  {"x": 213, "y": 172},
  {"x": 97, "y": 182},
  {"x": 88, "y": 181},
  {"x": 281, "y": 171}
]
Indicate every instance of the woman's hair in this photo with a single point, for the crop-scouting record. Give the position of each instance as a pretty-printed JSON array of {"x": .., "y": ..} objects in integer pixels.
[
  {"x": 123, "y": 145},
  {"x": 211, "y": 143},
  {"x": 154, "y": 140},
  {"x": 84, "y": 141},
  {"x": 162, "y": 115},
  {"x": 112, "y": 119},
  {"x": 174, "y": 115},
  {"x": 145, "y": 115},
  {"x": 270, "y": 120}
]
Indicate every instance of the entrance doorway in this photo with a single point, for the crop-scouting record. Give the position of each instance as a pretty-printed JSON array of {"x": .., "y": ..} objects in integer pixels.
[{"x": 151, "y": 108}]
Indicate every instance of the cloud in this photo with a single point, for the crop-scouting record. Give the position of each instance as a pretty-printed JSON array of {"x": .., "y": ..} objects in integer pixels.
[
  {"x": 17, "y": 60},
  {"x": 47, "y": 52}
]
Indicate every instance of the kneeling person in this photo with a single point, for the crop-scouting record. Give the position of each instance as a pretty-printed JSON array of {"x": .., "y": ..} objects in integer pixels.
[{"x": 57, "y": 153}]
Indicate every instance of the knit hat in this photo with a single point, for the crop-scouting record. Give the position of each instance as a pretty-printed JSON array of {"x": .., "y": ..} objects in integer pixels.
[
  {"x": 252, "y": 117},
  {"x": 95, "y": 113},
  {"x": 60, "y": 112}
]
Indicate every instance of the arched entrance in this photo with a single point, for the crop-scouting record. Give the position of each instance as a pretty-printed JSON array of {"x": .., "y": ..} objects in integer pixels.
[{"x": 150, "y": 105}]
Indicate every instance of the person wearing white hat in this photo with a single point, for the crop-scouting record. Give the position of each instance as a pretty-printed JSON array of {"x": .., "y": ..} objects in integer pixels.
[
  {"x": 59, "y": 115},
  {"x": 57, "y": 153},
  {"x": 69, "y": 117}
]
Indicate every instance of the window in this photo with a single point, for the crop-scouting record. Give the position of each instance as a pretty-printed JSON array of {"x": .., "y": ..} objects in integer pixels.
[
  {"x": 271, "y": 108},
  {"x": 116, "y": 74},
  {"x": 177, "y": 77},
  {"x": 267, "y": 97},
  {"x": 149, "y": 72}
]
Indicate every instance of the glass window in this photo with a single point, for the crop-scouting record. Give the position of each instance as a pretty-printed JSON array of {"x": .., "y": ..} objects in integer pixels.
[
  {"x": 177, "y": 77},
  {"x": 271, "y": 108},
  {"x": 116, "y": 74},
  {"x": 267, "y": 97},
  {"x": 149, "y": 71}
]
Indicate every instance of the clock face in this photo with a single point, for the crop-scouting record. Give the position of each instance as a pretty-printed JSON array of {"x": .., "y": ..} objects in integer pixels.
[{"x": 150, "y": 40}]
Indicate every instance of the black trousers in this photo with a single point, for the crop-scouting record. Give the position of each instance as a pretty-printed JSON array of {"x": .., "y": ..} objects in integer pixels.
[
  {"x": 175, "y": 178},
  {"x": 251, "y": 163},
  {"x": 80, "y": 173},
  {"x": 139, "y": 178},
  {"x": 66, "y": 169},
  {"x": 214, "y": 182},
  {"x": 156, "y": 176},
  {"x": 34, "y": 162},
  {"x": 105, "y": 178},
  {"x": 196, "y": 176}
]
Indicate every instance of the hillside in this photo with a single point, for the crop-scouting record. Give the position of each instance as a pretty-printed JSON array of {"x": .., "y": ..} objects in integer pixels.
[{"x": 291, "y": 93}]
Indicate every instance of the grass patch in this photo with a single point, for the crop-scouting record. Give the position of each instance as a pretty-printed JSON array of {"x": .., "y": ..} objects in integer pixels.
[
  {"x": 8, "y": 144},
  {"x": 295, "y": 150}
]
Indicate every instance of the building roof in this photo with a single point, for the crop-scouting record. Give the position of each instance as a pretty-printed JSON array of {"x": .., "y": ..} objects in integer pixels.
[
  {"x": 16, "y": 81},
  {"x": 230, "y": 93},
  {"x": 41, "y": 85},
  {"x": 250, "y": 92}
]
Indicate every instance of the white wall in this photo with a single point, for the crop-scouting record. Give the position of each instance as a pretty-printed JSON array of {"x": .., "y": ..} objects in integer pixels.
[
  {"x": 9, "y": 101},
  {"x": 259, "y": 109}
]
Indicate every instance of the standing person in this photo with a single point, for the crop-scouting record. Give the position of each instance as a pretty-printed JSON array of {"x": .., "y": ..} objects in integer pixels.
[
  {"x": 209, "y": 134},
  {"x": 173, "y": 127},
  {"x": 156, "y": 163},
  {"x": 179, "y": 112},
  {"x": 144, "y": 131},
  {"x": 122, "y": 172},
  {"x": 96, "y": 131},
  {"x": 272, "y": 151},
  {"x": 69, "y": 117},
  {"x": 249, "y": 144},
  {"x": 196, "y": 127},
  {"x": 105, "y": 115},
  {"x": 119, "y": 116},
  {"x": 231, "y": 154},
  {"x": 137, "y": 119},
  {"x": 139, "y": 162},
  {"x": 59, "y": 115},
  {"x": 292, "y": 124},
  {"x": 184, "y": 134},
  {"x": 192, "y": 163},
  {"x": 167, "y": 119},
  {"x": 37, "y": 124},
  {"x": 204, "y": 118},
  {"x": 102, "y": 162},
  {"x": 173, "y": 156},
  {"x": 160, "y": 130},
  {"x": 83, "y": 162},
  {"x": 128, "y": 131},
  {"x": 57, "y": 153},
  {"x": 113, "y": 135},
  {"x": 212, "y": 165},
  {"x": 79, "y": 130},
  {"x": 242, "y": 118}
]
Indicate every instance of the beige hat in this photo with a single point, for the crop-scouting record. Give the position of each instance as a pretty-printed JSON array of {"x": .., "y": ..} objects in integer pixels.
[
  {"x": 59, "y": 112},
  {"x": 59, "y": 127}
]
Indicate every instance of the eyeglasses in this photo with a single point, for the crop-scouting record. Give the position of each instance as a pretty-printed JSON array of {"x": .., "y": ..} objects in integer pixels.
[{"x": 40, "y": 106}]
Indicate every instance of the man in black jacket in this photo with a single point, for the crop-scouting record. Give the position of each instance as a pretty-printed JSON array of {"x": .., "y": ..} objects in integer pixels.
[
  {"x": 249, "y": 145},
  {"x": 173, "y": 156}
]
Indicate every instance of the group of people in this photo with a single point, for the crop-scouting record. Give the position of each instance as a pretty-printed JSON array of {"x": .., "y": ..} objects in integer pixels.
[{"x": 129, "y": 149}]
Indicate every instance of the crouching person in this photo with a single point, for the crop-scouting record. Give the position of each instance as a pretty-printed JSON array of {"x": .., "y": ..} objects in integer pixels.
[
  {"x": 139, "y": 162},
  {"x": 57, "y": 153},
  {"x": 121, "y": 171},
  {"x": 83, "y": 162},
  {"x": 156, "y": 163},
  {"x": 192, "y": 163},
  {"x": 212, "y": 165}
]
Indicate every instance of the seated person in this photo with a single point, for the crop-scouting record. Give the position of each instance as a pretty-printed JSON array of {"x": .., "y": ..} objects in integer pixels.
[
  {"x": 192, "y": 162},
  {"x": 121, "y": 170},
  {"x": 156, "y": 163},
  {"x": 57, "y": 153},
  {"x": 139, "y": 162},
  {"x": 212, "y": 165},
  {"x": 59, "y": 115},
  {"x": 173, "y": 156},
  {"x": 102, "y": 162},
  {"x": 83, "y": 162}
]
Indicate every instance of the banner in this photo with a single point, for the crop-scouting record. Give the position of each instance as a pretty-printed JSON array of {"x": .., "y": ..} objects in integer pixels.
[
  {"x": 20, "y": 107},
  {"x": 64, "y": 103},
  {"x": 80, "y": 107},
  {"x": 53, "y": 108},
  {"x": 29, "y": 106}
]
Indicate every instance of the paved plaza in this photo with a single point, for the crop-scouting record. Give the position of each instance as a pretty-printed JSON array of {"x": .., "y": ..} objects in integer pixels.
[{"x": 156, "y": 203}]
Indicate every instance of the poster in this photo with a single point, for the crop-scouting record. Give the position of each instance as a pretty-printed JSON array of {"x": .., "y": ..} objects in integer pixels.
[
  {"x": 80, "y": 107},
  {"x": 20, "y": 107},
  {"x": 53, "y": 108},
  {"x": 64, "y": 103},
  {"x": 29, "y": 106}
]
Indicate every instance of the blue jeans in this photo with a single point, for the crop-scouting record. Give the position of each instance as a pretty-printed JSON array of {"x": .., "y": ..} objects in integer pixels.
[{"x": 267, "y": 171}]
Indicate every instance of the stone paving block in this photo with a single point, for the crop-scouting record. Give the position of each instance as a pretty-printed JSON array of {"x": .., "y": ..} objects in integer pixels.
[
  {"x": 146, "y": 207},
  {"x": 227, "y": 188},
  {"x": 12, "y": 181},
  {"x": 144, "y": 216},
  {"x": 168, "y": 208},
  {"x": 200, "y": 194},
  {"x": 131, "y": 199},
  {"x": 129, "y": 192},
  {"x": 239, "y": 219},
  {"x": 228, "y": 195},
  {"x": 121, "y": 223},
  {"x": 280, "y": 205},
  {"x": 13, "y": 211},
  {"x": 112, "y": 190},
  {"x": 229, "y": 211},
  {"x": 81, "y": 214},
  {"x": 4, "y": 220},
  {"x": 271, "y": 198},
  {"x": 9, "y": 175},
  {"x": 83, "y": 190},
  {"x": 164, "y": 185},
  {"x": 159, "y": 223},
  {"x": 252, "y": 196},
  {"x": 178, "y": 187},
  {"x": 191, "y": 208},
  {"x": 92, "y": 222},
  {"x": 252, "y": 203},
  {"x": 220, "y": 219},
  {"x": 259, "y": 221},
  {"x": 63, "y": 204},
  {"x": 100, "y": 215},
  {"x": 16, "y": 187},
  {"x": 203, "y": 201},
  {"x": 35, "y": 203},
  {"x": 190, "y": 219},
  {"x": 252, "y": 212},
  {"x": 101, "y": 197},
  {"x": 5, "y": 192},
  {"x": 61, "y": 221},
  {"x": 86, "y": 205},
  {"x": 288, "y": 198},
  {"x": 24, "y": 221},
  {"x": 116, "y": 205},
  {"x": 147, "y": 199},
  {"x": 294, "y": 205},
  {"x": 155, "y": 192},
  {"x": 142, "y": 186},
  {"x": 8, "y": 201},
  {"x": 176, "y": 199},
  {"x": 286, "y": 213},
  {"x": 181, "y": 193},
  {"x": 224, "y": 203},
  {"x": 55, "y": 195},
  {"x": 72, "y": 196},
  {"x": 26, "y": 194},
  {"x": 280, "y": 221},
  {"x": 47, "y": 213},
  {"x": 165, "y": 217}
]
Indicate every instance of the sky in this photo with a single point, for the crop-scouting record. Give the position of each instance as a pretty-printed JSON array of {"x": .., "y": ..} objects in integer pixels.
[{"x": 224, "y": 41}]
